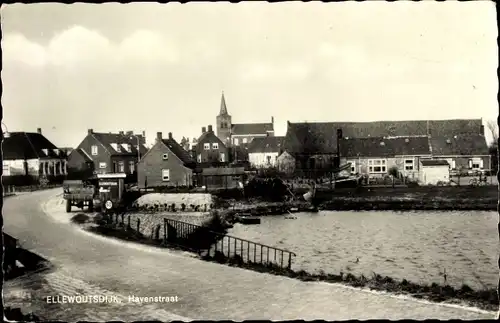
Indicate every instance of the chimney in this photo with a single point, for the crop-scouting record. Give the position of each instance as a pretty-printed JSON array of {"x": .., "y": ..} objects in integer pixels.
[
  {"x": 169, "y": 135},
  {"x": 39, "y": 130},
  {"x": 159, "y": 136},
  {"x": 90, "y": 131},
  {"x": 144, "y": 133},
  {"x": 203, "y": 130},
  {"x": 481, "y": 130},
  {"x": 210, "y": 128},
  {"x": 272, "y": 120},
  {"x": 121, "y": 133}
]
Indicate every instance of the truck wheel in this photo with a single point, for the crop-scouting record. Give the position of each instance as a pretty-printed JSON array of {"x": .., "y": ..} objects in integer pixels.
[
  {"x": 68, "y": 206},
  {"x": 91, "y": 206}
]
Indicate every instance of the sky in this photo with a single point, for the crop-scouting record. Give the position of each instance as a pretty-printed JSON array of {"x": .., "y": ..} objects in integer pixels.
[{"x": 157, "y": 67}]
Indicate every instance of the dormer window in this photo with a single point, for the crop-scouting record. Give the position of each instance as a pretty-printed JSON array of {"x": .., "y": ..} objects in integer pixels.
[
  {"x": 165, "y": 156},
  {"x": 45, "y": 151},
  {"x": 215, "y": 145},
  {"x": 56, "y": 151},
  {"x": 382, "y": 143}
]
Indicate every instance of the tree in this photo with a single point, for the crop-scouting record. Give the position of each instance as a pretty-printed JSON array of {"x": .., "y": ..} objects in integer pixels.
[
  {"x": 493, "y": 148},
  {"x": 394, "y": 172},
  {"x": 493, "y": 128}
]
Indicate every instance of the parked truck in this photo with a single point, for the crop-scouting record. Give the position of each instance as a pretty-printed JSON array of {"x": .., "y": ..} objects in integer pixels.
[{"x": 79, "y": 193}]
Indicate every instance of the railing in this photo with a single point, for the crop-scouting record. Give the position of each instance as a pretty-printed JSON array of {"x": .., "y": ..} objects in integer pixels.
[
  {"x": 206, "y": 242},
  {"x": 219, "y": 244}
]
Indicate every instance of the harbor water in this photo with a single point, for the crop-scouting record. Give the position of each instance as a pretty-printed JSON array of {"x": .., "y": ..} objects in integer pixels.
[{"x": 423, "y": 247}]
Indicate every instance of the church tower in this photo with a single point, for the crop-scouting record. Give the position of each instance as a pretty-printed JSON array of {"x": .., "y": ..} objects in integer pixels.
[{"x": 224, "y": 123}]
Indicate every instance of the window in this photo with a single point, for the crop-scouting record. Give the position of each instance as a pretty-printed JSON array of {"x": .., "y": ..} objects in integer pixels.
[
  {"x": 245, "y": 140},
  {"x": 102, "y": 165},
  {"x": 268, "y": 160},
  {"x": 476, "y": 163},
  {"x": 165, "y": 156},
  {"x": 165, "y": 175},
  {"x": 94, "y": 150},
  {"x": 206, "y": 146},
  {"x": 453, "y": 165},
  {"x": 409, "y": 164},
  {"x": 199, "y": 158},
  {"x": 131, "y": 166},
  {"x": 215, "y": 145},
  {"x": 377, "y": 169},
  {"x": 118, "y": 148},
  {"x": 222, "y": 157},
  {"x": 236, "y": 141},
  {"x": 121, "y": 167}
]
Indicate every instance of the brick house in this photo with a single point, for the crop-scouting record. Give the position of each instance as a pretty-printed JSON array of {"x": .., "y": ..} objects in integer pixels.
[
  {"x": 264, "y": 152},
  {"x": 374, "y": 156},
  {"x": 209, "y": 148},
  {"x": 109, "y": 152},
  {"x": 315, "y": 144},
  {"x": 466, "y": 154},
  {"x": 166, "y": 164},
  {"x": 236, "y": 134},
  {"x": 29, "y": 156}
]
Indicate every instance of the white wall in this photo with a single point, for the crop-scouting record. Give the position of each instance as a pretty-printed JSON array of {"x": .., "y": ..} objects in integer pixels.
[
  {"x": 13, "y": 167},
  {"x": 430, "y": 175},
  {"x": 260, "y": 159}
]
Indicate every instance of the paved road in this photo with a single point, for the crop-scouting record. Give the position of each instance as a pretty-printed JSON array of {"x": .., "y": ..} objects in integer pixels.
[{"x": 89, "y": 264}]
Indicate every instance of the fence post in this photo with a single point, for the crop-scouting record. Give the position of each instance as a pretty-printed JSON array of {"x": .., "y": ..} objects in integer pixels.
[
  {"x": 164, "y": 230},
  {"x": 128, "y": 226},
  {"x": 289, "y": 260},
  {"x": 138, "y": 225}
]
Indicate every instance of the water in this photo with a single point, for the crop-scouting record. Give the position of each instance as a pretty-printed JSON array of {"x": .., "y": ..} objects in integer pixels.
[{"x": 417, "y": 246}]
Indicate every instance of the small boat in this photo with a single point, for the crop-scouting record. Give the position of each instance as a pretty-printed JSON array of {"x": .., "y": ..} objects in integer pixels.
[{"x": 249, "y": 220}]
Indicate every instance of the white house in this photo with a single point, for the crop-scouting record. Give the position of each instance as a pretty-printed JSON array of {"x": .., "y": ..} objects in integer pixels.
[
  {"x": 30, "y": 153},
  {"x": 264, "y": 152},
  {"x": 433, "y": 171}
]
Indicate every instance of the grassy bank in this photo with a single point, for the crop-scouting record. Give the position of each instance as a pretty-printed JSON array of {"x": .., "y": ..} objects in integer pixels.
[
  {"x": 484, "y": 198},
  {"x": 484, "y": 299}
]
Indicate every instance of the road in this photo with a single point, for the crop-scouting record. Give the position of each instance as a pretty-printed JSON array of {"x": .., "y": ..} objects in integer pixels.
[{"x": 90, "y": 264}]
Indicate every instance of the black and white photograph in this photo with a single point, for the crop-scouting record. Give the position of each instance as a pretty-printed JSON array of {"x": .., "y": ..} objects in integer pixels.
[{"x": 250, "y": 161}]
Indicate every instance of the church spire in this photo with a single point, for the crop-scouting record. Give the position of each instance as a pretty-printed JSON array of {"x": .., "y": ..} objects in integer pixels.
[{"x": 223, "y": 108}]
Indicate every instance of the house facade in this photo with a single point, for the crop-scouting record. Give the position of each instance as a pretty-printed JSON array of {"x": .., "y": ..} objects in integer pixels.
[
  {"x": 166, "y": 164},
  {"x": 404, "y": 144},
  {"x": 236, "y": 134},
  {"x": 466, "y": 154},
  {"x": 375, "y": 156},
  {"x": 109, "y": 152},
  {"x": 263, "y": 152},
  {"x": 31, "y": 154},
  {"x": 209, "y": 148}
]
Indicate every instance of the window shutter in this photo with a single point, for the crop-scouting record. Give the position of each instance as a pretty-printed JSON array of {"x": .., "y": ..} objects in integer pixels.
[
  {"x": 481, "y": 163},
  {"x": 470, "y": 163}
]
